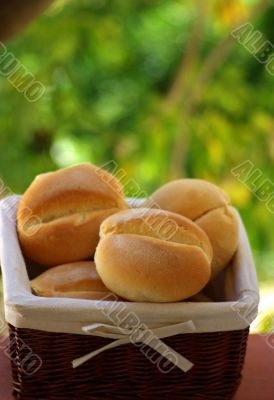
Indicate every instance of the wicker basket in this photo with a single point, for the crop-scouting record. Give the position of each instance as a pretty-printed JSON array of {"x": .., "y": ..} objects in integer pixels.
[{"x": 123, "y": 372}]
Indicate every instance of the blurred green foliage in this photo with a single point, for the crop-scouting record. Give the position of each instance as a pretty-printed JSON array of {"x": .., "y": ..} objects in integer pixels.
[{"x": 110, "y": 68}]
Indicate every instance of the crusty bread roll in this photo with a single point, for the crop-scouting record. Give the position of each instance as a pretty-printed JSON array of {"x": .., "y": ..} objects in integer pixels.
[
  {"x": 153, "y": 256},
  {"x": 221, "y": 226},
  {"x": 208, "y": 206},
  {"x": 78, "y": 280},
  {"x": 59, "y": 215}
]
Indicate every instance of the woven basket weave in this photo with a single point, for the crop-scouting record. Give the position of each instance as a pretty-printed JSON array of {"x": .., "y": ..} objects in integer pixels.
[{"x": 124, "y": 372}]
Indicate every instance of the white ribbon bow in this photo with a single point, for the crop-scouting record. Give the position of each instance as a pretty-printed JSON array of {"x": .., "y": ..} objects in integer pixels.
[{"x": 125, "y": 336}]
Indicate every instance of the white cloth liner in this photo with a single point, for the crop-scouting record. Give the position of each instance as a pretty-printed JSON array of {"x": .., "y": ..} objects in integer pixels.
[{"x": 24, "y": 310}]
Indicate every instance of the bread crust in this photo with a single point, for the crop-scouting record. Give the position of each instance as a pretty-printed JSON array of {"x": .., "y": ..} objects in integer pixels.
[
  {"x": 69, "y": 206},
  {"x": 221, "y": 227},
  {"x": 157, "y": 224},
  {"x": 138, "y": 264},
  {"x": 75, "y": 280},
  {"x": 189, "y": 197},
  {"x": 208, "y": 206}
]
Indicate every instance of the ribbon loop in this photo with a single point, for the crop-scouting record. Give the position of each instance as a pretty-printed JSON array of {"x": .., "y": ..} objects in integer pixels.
[{"x": 149, "y": 337}]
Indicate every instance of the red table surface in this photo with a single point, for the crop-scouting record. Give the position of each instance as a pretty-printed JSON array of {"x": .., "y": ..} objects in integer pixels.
[{"x": 258, "y": 373}]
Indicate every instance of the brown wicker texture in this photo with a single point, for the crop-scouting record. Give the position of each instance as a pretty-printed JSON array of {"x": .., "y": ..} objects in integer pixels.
[{"x": 124, "y": 373}]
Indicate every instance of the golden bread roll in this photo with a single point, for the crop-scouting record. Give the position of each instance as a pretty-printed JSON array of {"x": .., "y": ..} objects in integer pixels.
[
  {"x": 153, "y": 256},
  {"x": 59, "y": 215},
  {"x": 78, "y": 280},
  {"x": 221, "y": 227},
  {"x": 208, "y": 206}
]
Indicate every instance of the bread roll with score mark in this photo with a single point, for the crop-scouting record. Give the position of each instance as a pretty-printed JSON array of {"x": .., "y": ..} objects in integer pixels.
[
  {"x": 207, "y": 205},
  {"x": 59, "y": 215},
  {"x": 153, "y": 256},
  {"x": 78, "y": 280}
]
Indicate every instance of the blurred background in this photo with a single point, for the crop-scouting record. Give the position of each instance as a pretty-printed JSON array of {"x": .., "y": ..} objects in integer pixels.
[{"x": 160, "y": 87}]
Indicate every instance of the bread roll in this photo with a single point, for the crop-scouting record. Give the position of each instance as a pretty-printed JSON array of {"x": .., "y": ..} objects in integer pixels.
[
  {"x": 59, "y": 215},
  {"x": 77, "y": 280},
  {"x": 208, "y": 206},
  {"x": 221, "y": 226},
  {"x": 153, "y": 256}
]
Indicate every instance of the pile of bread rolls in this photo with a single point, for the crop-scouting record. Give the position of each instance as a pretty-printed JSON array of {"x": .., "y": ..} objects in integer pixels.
[{"x": 77, "y": 224}]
